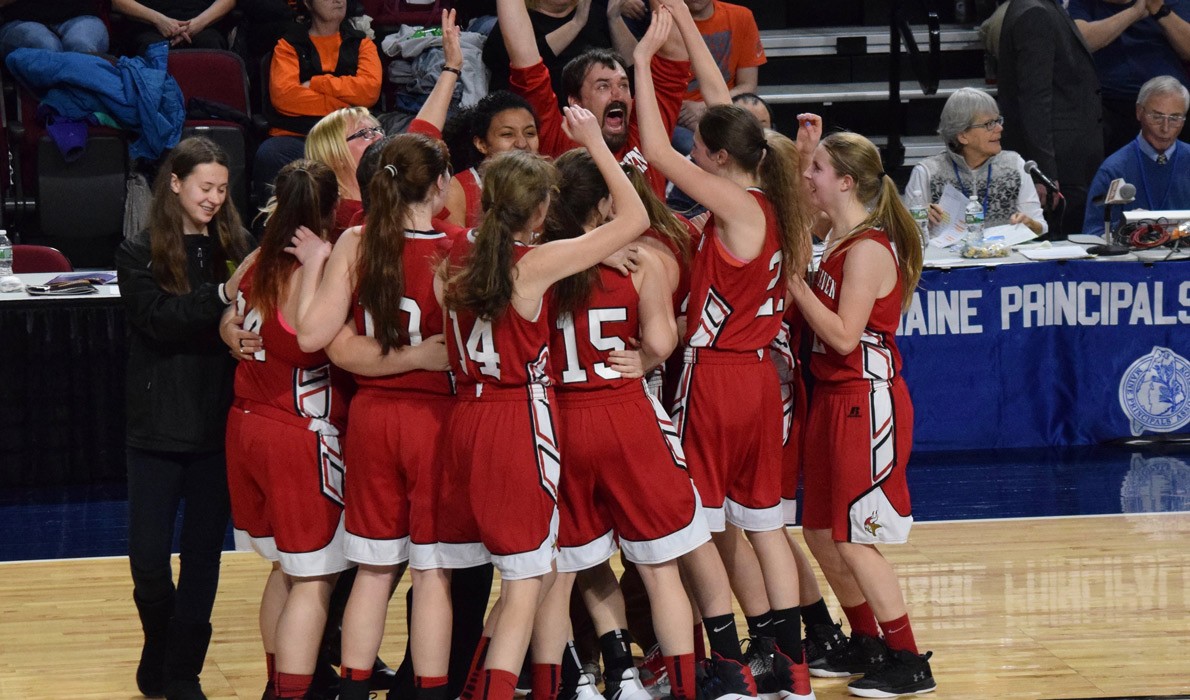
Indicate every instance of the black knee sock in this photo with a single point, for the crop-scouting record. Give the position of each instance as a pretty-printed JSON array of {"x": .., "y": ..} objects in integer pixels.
[
  {"x": 760, "y": 625},
  {"x": 572, "y": 669},
  {"x": 617, "y": 654},
  {"x": 817, "y": 613},
  {"x": 724, "y": 638},
  {"x": 787, "y": 628}
]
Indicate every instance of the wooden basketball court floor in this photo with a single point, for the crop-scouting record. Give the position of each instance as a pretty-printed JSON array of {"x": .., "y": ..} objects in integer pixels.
[{"x": 1066, "y": 607}]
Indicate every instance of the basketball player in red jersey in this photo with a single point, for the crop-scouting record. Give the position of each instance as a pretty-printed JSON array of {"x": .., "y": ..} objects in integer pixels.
[
  {"x": 503, "y": 453},
  {"x": 382, "y": 276},
  {"x": 860, "y": 425},
  {"x": 285, "y": 465},
  {"x": 756, "y": 235}
]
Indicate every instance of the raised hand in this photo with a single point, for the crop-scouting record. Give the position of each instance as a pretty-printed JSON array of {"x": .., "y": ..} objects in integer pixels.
[
  {"x": 452, "y": 46},
  {"x": 809, "y": 133},
  {"x": 659, "y": 29},
  {"x": 581, "y": 126},
  {"x": 308, "y": 246}
]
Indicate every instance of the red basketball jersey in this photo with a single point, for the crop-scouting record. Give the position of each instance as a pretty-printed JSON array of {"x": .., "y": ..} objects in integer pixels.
[
  {"x": 876, "y": 358},
  {"x": 736, "y": 306},
  {"x": 420, "y": 315},
  {"x": 507, "y": 351},
  {"x": 784, "y": 348},
  {"x": 303, "y": 384},
  {"x": 683, "y": 290},
  {"x": 473, "y": 191},
  {"x": 581, "y": 341}
]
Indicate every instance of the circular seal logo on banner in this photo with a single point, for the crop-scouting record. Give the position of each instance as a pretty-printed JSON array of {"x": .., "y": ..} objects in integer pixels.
[{"x": 1153, "y": 392}]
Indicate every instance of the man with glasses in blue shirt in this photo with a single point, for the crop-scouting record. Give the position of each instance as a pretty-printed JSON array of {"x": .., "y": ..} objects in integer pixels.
[{"x": 1155, "y": 162}]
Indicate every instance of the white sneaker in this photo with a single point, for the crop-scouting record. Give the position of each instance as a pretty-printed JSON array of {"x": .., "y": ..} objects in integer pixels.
[
  {"x": 629, "y": 687},
  {"x": 586, "y": 689}
]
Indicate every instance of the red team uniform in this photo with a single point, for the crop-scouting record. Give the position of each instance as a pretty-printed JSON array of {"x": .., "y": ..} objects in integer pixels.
[
  {"x": 619, "y": 444},
  {"x": 860, "y": 426},
  {"x": 728, "y": 403},
  {"x": 396, "y": 425},
  {"x": 784, "y": 352},
  {"x": 500, "y": 488},
  {"x": 285, "y": 469},
  {"x": 472, "y": 185}
]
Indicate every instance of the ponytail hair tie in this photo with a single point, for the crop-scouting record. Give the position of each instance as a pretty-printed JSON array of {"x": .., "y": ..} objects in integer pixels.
[{"x": 391, "y": 169}]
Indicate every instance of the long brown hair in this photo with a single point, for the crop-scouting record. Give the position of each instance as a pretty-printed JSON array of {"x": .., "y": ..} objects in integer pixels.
[
  {"x": 306, "y": 193},
  {"x": 854, "y": 155},
  {"x": 662, "y": 220},
  {"x": 580, "y": 189},
  {"x": 514, "y": 186},
  {"x": 408, "y": 167},
  {"x": 166, "y": 233},
  {"x": 773, "y": 159}
]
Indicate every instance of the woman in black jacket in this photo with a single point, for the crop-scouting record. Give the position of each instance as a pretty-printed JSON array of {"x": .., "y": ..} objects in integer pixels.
[{"x": 176, "y": 278}]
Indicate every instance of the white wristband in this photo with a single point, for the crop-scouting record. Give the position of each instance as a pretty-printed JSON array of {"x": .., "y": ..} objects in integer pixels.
[{"x": 223, "y": 294}]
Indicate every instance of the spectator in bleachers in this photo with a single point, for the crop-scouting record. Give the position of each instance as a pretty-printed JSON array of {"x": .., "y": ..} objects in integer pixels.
[
  {"x": 564, "y": 29},
  {"x": 598, "y": 81},
  {"x": 315, "y": 70},
  {"x": 1155, "y": 162},
  {"x": 1049, "y": 95},
  {"x": 339, "y": 140},
  {"x": 64, "y": 25},
  {"x": 756, "y": 105},
  {"x": 500, "y": 122},
  {"x": 185, "y": 24},
  {"x": 1132, "y": 42},
  {"x": 975, "y": 163},
  {"x": 731, "y": 34}
]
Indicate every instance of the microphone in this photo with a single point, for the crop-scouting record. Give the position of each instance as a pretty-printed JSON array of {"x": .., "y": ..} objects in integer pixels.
[
  {"x": 1118, "y": 192},
  {"x": 1032, "y": 169}
]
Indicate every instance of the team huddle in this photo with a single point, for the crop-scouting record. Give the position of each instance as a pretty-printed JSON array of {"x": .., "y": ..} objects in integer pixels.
[{"x": 580, "y": 372}]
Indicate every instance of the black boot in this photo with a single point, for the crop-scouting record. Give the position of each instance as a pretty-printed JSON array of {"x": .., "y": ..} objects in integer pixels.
[
  {"x": 154, "y": 620},
  {"x": 185, "y": 653}
]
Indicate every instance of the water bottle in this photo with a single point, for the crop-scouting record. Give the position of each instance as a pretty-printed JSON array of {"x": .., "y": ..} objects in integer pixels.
[
  {"x": 5, "y": 254},
  {"x": 974, "y": 222},
  {"x": 920, "y": 212}
]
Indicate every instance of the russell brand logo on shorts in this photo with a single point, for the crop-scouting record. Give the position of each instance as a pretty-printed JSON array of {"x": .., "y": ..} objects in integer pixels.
[{"x": 1153, "y": 392}]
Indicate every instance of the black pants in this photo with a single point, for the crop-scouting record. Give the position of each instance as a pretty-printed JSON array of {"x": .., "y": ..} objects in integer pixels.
[{"x": 157, "y": 483}]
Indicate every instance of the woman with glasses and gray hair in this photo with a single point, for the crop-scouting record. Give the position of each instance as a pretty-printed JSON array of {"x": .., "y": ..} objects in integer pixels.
[{"x": 975, "y": 164}]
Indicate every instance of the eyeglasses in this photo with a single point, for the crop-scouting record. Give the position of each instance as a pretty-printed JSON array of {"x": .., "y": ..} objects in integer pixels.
[
  {"x": 1157, "y": 118},
  {"x": 989, "y": 125},
  {"x": 368, "y": 132}
]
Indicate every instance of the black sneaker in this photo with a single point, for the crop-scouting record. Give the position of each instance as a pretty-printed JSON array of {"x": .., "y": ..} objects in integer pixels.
[
  {"x": 860, "y": 654},
  {"x": 724, "y": 679},
  {"x": 758, "y": 657},
  {"x": 902, "y": 673},
  {"x": 822, "y": 640}
]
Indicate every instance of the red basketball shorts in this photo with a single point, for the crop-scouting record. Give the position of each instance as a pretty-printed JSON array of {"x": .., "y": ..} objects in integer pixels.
[
  {"x": 501, "y": 485},
  {"x": 394, "y": 451},
  {"x": 286, "y": 489},
  {"x": 727, "y": 410},
  {"x": 857, "y": 447},
  {"x": 623, "y": 477}
]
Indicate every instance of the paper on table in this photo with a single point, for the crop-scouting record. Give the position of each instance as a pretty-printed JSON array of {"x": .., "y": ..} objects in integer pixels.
[
  {"x": 1058, "y": 252},
  {"x": 1012, "y": 234}
]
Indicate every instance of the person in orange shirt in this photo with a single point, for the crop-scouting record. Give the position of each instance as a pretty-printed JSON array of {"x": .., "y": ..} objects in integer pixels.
[{"x": 315, "y": 70}]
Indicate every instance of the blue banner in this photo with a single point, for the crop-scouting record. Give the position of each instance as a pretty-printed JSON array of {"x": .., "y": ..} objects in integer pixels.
[{"x": 1048, "y": 354}]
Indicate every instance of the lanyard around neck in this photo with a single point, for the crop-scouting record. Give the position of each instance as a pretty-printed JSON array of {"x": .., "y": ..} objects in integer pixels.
[{"x": 987, "y": 190}]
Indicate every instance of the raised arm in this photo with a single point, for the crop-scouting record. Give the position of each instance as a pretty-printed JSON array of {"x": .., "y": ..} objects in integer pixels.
[
  {"x": 438, "y": 103},
  {"x": 702, "y": 63},
  {"x": 546, "y": 264},
  {"x": 517, "y": 29},
  {"x": 734, "y": 208},
  {"x": 1101, "y": 32},
  {"x": 623, "y": 41},
  {"x": 1176, "y": 28},
  {"x": 324, "y": 300},
  {"x": 562, "y": 37}
]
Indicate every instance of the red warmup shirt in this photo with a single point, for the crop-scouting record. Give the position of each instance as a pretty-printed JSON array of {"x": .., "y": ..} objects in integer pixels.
[
  {"x": 876, "y": 358},
  {"x": 670, "y": 79}
]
